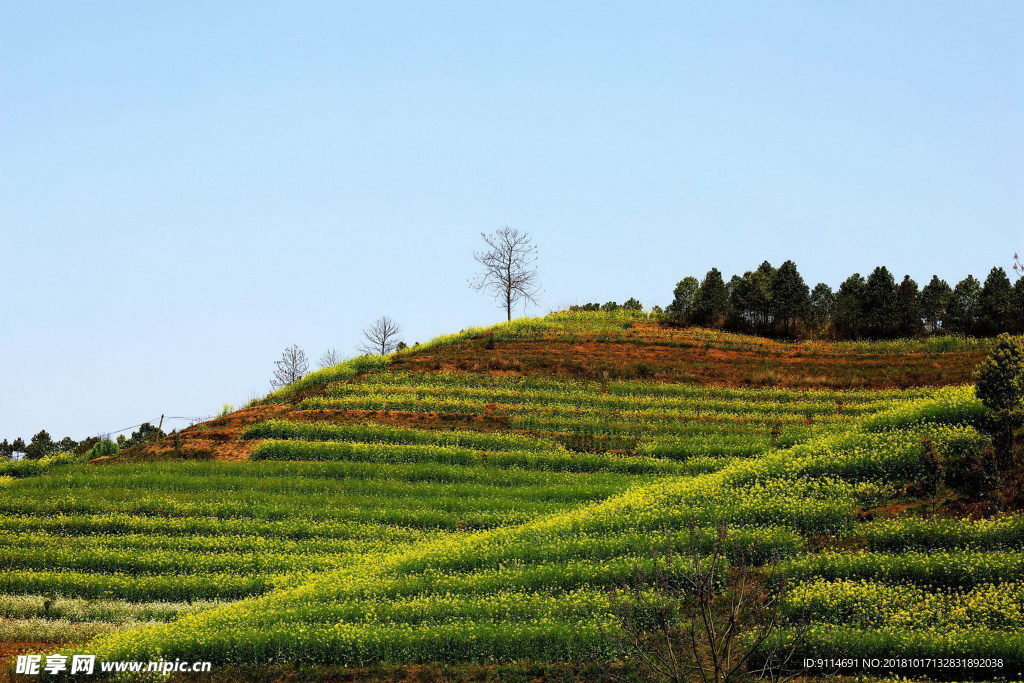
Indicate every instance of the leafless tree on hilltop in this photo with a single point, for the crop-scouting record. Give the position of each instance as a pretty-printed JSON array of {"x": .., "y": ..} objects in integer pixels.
[
  {"x": 292, "y": 366},
  {"x": 330, "y": 357},
  {"x": 381, "y": 337},
  {"x": 509, "y": 268}
]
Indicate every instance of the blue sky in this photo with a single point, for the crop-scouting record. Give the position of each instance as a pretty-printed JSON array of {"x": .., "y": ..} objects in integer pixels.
[{"x": 186, "y": 189}]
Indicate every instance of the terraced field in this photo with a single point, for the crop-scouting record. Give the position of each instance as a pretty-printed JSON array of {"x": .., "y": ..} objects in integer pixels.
[{"x": 388, "y": 512}]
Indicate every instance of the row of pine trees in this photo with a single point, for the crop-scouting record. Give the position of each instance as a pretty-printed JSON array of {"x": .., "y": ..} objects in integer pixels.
[{"x": 777, "y": 302}]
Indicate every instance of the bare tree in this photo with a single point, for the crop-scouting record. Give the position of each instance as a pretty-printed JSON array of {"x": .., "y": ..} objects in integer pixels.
[
  {"x": 1018, "y": 266},
  {"x": 509, "y": 271},
  {"x": 330, "y": 357},
  {"x": 707, "y": 615},
  {"x": 381, "y": 336},
  {"x": 292, "y": 367}
]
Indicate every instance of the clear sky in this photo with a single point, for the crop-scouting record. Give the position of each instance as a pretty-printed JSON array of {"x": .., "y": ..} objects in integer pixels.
[{"x": 188, "y": 187}]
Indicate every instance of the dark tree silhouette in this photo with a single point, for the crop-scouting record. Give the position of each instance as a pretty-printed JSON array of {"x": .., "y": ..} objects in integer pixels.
[
  {"x": 964, "y": 308},
  {"x": 823, "y": 304},
  {"x": 880, "y": 304},
  {"x": 996, "y": 303},
  {"x": 908, "y": 309},
  {"x": 934, "y": 303},
  {"x": 712, "y": 300},
  {"x": 684, "y": 301},
  {"x": 790, "y": 298},
  {"x": 849, "y": 311}
]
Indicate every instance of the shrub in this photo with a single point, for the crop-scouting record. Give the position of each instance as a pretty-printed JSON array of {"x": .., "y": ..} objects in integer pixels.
[
  {"x": 104, "y": 448},
  {"x": 970, "y": 465},
  {"x": 966, "y": 463}
]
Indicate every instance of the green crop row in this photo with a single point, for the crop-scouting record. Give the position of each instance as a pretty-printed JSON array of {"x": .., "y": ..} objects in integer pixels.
[
  {"x": 763, "y": 402},
  {"x": 871, "y": 604},
  {"x": 1004, "y": 532},
  {"x": 943, "y": 568},
  {"x": 553, "y": 462},
  {"x": 376, "y": 433},
  {"x": 454, "y": 382}
]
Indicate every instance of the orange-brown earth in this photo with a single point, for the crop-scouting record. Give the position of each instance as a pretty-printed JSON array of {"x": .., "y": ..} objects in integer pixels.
[
  {"x": 770, "y": 364},
  {"x": 645, "y": 351},
  {"x": 220, "y": 438}
]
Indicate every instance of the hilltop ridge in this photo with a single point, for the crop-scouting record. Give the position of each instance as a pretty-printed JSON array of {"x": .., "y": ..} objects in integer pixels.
[{"x": 596, "y": 348}]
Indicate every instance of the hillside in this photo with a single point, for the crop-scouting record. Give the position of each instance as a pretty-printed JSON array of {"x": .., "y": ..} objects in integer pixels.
[
  {"x": 473, "y": 501},
  {"x": 466, "y": 380}
]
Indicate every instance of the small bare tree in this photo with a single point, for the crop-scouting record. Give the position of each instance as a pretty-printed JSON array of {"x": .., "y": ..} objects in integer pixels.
[
  {"x": 381, "y": 337},
  {"x": 291, "y": 367},
  {"x": 509, "y": 271},
  {"x": 330, "y": 357},
  {"x": 1018, "y": 265},
  {"x": 702, "y": 615}
]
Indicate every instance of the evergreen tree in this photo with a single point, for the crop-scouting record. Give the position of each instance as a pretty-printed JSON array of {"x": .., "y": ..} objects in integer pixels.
[
  {"x": 6, "y": 449},
  {"x": 146, "y": 433},
  {"x": 964, "y": 308},
  {"x": 18, "y": 445},
  {"x": 848, "y": 320},
  {"x": 761, "y": 296},
  {"x": 823, "y": 304},
  {"x": 1000, "y": 387},
  {"x": 1017, "y": 311},
  {"x": 632, "y": 304},
  {"x": 880, "y": 304},
  {"x": 738, "y": 304},
  {"x": 996, "y": 303},
  {"x": 684, "y": 302},
  {"x": 790, "y": 298},
  {"x": 934, "y": 302},
  {"x": 750, "y": 298},
  {"x": 40, "y": 446},
  {"x": 67, "y": 444},
  {"x": 908, "y": 309},
  {"x": 712, "y": 300}
]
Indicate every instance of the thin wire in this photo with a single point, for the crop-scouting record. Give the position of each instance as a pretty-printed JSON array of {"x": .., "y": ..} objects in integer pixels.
[{"x": 150, "y": 422}]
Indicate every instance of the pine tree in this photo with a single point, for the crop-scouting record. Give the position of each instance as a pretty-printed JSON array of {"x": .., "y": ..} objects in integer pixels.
[
  {"x": 738, "y": 304},
  {"x": 712, "y": 300},
  {"x": 1000, "y": 386},
  {"x": 908, "y": 309},
  {"x": 880, "y": 304},
  {"x": 632, "y": 304},
  {"x": 761, "y": 296},
  {"x": 849, "y": 308},
  {"x": 996, "y": 303},
  {"x": 40, "y": 446},
  {"x": 823, "y": 304},
  {"x": 1017, "y": 310},
  {"x": 790, "y": 298},
  {"x": 684, "y": 303},
  {"x": 935, "y": 299},
  {"x": 964, "y": 310}
]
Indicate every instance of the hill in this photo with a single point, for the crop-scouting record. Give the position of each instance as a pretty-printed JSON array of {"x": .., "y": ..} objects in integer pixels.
[{"x": 473, "y": 501}]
